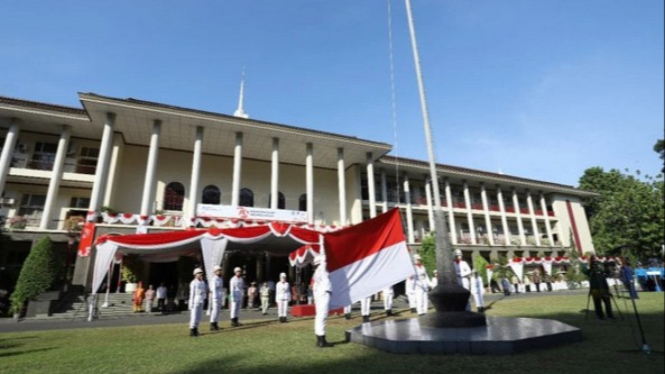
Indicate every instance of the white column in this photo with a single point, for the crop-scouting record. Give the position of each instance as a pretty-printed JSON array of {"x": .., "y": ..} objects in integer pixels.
[
  {"x": 309, "y": 180},
  {"x": 56, "y": 177},
  {"x": 409, "y": 210},
  {"x": 518, "y": 215},
  {"x": 504, "y": 219},
  {"x": 469, "y": 214},
  {"x": 486, "y": 209},
  {"x": 384, "y": 191},
  {"x": 430, "y": 204},
  {"x": 341, "y": 186},
  {"x": 7, "y": 153},
  {"x": 237, "y": 168},
  {"x": 151, "y": 170},
  {"x": 194, "y": 184},
  {"x": 451, "y": 214},
  {"x": 532, "y": 213},
  {"x": 548, "y": 227},
  {"x": 371, "y": 186},
  {"x": 112, "y": 179},
  {"x": 274, "y": 175},
  {"x": 101, "y": 172}
]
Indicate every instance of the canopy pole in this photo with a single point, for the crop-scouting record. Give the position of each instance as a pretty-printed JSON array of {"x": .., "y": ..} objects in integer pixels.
[
  {"x": 117, "y": 290},
  {"x": 108, "y": 287},
  {"x": 91, "y": 306}
]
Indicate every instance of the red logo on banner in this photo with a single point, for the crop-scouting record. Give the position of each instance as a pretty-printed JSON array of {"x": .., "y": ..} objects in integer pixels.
[
  {"x": 243, "y": 213},
  {"x": 87, "y": 235}
]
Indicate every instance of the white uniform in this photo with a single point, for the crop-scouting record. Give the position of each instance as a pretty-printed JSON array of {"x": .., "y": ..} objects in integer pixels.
[
  {"x": 322, "y": 291},
  {"x": 216, "y": 285},
  {"x": 236, "y": 288},
  {"x": 365, "y": 305},
  {"x": 388, "y": 294},
  {"x": 463, "y": 271},
  {"x": 421, "y": 286},
  {"x": 433, "y": 282},
  {"x": 411, "y": 292},
  {"x": 198, "y": 290},
  {"x": 282, "y": 296},
  {"x": 477, "y": 290}
]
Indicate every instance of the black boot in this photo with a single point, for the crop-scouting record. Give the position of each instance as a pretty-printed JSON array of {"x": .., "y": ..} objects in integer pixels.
[
  {"x": 321, "y": 342},
  {"x": 234, "y": 322},
  {"x": 413, "y": 310},
  {"x": 191, "y": 332},
  {"x": 347, "y": 315},
  {"x": 214, "y": 326},
  {"x": 389, "y": 312},
  {"x": 365, "y": 319},
  {"x": 196, "y": 331}
]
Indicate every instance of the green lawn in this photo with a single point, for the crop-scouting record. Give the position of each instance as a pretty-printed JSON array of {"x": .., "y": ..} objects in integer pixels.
[{"x": 270, "y": 347}]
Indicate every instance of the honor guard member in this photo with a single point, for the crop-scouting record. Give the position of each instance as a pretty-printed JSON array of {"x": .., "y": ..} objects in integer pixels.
[
  {"x": 477, "y": 290},
  {"x": 365, "y": 304},
  {"x": 347, "y": 311},
  {"x": 282, "y": 296},
  {"x": 388, "y": 294},
  {"x": 322, "y": 292},
  {"x": 198, "y": 290},
  {"x": 421, "y": 286},
  {"x": 236, "y": 288},
  {"x": 216, "y": 286},
  {"x": 463, "y": 271}
]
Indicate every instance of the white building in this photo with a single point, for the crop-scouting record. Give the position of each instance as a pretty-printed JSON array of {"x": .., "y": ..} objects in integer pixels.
[{"x": 152, "y": 164}]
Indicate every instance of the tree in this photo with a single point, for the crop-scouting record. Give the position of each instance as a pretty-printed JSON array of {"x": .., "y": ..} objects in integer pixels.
[
  {"x": 659, "y": 148},
  {"x": 628, "y": 211},
  {"x": 39, "y": 273},
  {"x": 428, "y": 253}
]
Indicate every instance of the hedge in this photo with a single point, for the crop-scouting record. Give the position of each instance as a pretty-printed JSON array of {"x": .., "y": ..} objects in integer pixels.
[{"x": 38, "y": 274}]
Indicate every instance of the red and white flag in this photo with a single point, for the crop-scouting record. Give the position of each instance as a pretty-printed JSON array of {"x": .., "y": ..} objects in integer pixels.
[{"x": 366, "y": 258}]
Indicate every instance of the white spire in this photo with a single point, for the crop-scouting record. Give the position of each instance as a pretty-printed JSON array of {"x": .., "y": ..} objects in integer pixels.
[{"x": 240, "y": 112}]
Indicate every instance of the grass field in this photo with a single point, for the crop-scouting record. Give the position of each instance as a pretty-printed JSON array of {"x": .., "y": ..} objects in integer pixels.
[{"x": 270, "y": 347}]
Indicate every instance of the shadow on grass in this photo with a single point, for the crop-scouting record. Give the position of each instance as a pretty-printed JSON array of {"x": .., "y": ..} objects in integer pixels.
[{"x": 9, "y": 354}]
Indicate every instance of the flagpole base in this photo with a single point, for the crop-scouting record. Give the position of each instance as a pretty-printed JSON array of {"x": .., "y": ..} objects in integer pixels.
[{"x": 450, "y": 302}]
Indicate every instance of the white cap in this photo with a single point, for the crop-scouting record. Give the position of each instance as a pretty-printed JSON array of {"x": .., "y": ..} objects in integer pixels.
[
  {"x": 198, "y": 271},
  {"x": 416, "y": 257},
  {"x": 458, "y": 252},
  {"x": 237, "y": 270},
  {"x": 318, "y": 259},
  {"x": 282, "y": 275},
  {"x": 216, "y": 268},
  {"x": 435, "y": 271}
]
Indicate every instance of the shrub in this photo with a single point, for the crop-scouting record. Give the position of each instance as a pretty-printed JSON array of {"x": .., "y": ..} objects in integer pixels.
[
  {"x": 132, "y": 268},
  {"x": 40, "y": 271}
]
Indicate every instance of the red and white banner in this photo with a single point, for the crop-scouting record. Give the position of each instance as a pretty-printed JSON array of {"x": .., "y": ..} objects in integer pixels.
[
  {"x": 87, "y": 237},
  {"x": 366, "y": 258}
]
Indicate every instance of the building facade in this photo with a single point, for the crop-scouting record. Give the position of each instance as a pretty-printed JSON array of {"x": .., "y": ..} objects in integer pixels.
[{"x": 137, "y": 166}]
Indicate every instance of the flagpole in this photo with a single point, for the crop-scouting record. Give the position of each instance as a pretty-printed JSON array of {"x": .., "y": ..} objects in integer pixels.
[{"x": 448, "y": 296}]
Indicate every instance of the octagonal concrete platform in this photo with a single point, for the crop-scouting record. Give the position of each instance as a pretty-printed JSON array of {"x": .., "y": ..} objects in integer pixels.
[{"x": 501, "y": 336}]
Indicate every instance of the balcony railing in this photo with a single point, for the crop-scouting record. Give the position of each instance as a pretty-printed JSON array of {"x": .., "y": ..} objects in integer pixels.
[{"x": 48, "y": 166}]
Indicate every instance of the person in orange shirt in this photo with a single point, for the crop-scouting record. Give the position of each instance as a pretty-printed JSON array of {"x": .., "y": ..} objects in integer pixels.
[{"x": 139, "y": 295}]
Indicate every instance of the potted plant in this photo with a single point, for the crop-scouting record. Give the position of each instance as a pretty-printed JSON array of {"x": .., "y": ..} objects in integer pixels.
[
  {"x": 73, "y": 224},
  {"x": 18, "y": 222},
  {"x": 131, "y": 269}
]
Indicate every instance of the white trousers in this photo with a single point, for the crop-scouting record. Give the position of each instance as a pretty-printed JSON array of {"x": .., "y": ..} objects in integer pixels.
[
  {"x": 282, "y": 308},
  {"x": 148, "y": 306},
  {"x": 214, "y": 313},
  {"x": 365, "y": 305},
  {"x": 235, "y": 307},
  {"x": 387, "y": 301},
  {"x": 412, "y": 299},
  {"x": 195, "y": 315},
  {"x": 478, "y": 299},
  {"x": 321, "y": 305},
  {"x": 347, "y": 309},
  {"x": 421, "y": 301}
]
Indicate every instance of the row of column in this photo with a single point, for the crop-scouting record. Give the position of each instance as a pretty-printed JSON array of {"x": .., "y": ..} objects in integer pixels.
[
  {"x": 469, "y": 212},
  {"x": 149, "y": 187}
]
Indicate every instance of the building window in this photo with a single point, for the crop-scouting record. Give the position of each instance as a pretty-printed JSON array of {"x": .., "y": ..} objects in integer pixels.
[
  {"x": 246, "y": 197},
  {"x": 281, "y": 201},
  {"x": 174, "y": 195},
  {"x": 32, "y": 207},
  {"x": 44, "y": 156},
  {"x": 211, "y": 195},
  {"x": 80, "y": 202},
  {"x": 302, "y": 203}
]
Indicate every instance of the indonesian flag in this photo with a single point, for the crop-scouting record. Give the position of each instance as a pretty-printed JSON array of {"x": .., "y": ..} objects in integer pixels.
[{"x": 366, "y": 258}]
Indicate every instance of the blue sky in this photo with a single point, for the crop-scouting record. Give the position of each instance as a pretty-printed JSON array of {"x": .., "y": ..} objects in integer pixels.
[{"x": 534, "y": 88}]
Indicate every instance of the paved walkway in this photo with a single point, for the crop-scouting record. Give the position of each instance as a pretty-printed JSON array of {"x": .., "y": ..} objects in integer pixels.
[{"x": 10, "y": 325}]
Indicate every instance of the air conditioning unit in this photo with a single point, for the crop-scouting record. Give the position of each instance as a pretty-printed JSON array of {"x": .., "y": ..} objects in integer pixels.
[
  {"x": 21, "y": 148},
  {"x": 6, "y": 201}
]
